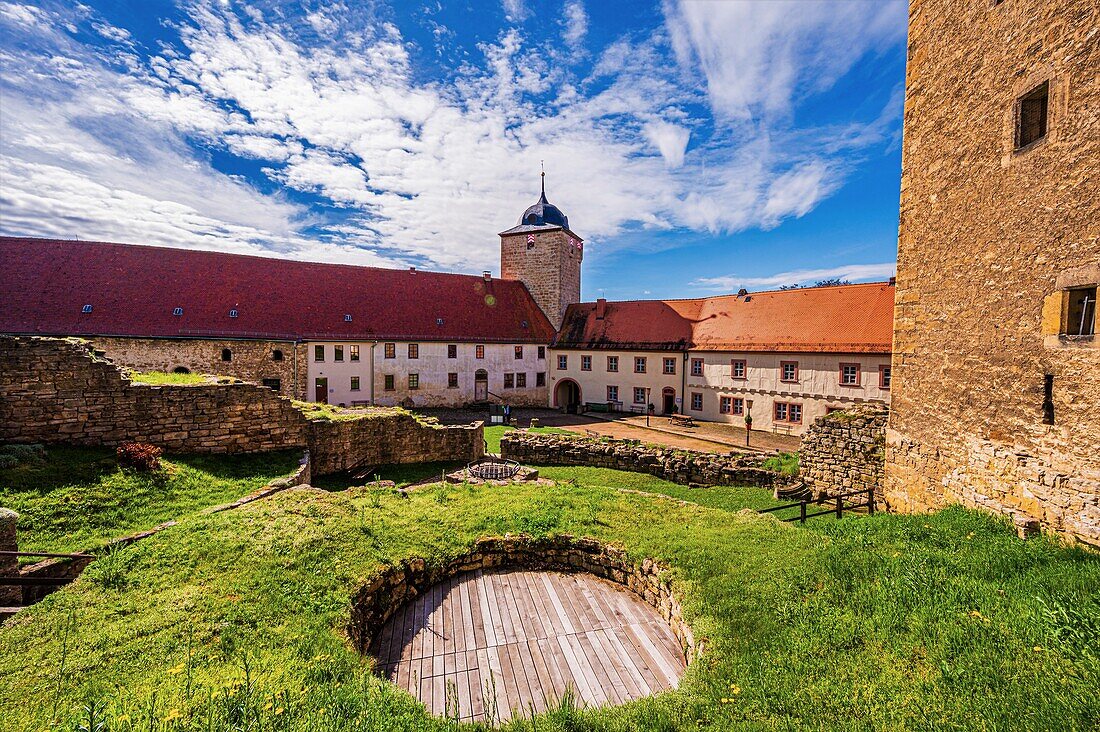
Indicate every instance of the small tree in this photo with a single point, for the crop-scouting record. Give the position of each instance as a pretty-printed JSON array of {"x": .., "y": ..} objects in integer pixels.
[{"x": 139, "y": 456}]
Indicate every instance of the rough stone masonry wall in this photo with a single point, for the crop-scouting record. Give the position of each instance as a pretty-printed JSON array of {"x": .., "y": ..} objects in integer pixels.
[
  {"x": 395, "y": 439},
  {"x": 678, "y": 466},
  {"x": 54, "y": 390},
  {"x": 988, "y": 236},
  {"x": 380, "y": 598},
  {"x": 10, "y": 595},
  {"x": 251, "y": 361},
  {"x": 844, "y": 451}
]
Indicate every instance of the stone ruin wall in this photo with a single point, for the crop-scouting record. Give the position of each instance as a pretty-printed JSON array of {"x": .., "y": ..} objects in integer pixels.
[
  {"x": 677, "y": 466},
  {"x": 251, "y": 361},
  {"x": 59, "y": 391},
  {"x": 989, "y": 239},
  {"x": 56, "y": 390},
  {"x": 845, "y": 451},
  {"x": 380, "y": 598}
]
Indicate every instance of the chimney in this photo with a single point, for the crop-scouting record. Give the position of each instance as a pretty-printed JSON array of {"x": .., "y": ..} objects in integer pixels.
[
  {"x": 601, "y": 308},
  {"x": 893, "y": 281},
  {"x": 486, "y": 275},
  {"x": 742, "y": 292}
]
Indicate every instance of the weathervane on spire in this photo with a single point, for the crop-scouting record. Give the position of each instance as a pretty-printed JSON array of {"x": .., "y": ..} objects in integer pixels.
[{"x": 542, "y": 164}]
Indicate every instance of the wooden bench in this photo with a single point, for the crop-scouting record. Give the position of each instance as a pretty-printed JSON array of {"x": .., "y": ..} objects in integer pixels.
[
  {"x": 597, "y": 407},
  {"x": 784, "y": 428},
  {"x": 637, "y": 410},
  {"x": 679, "y": 420}
]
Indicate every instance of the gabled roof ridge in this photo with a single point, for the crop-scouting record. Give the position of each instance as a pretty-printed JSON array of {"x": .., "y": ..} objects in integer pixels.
[
  {"x": 752, "y": 293},
  {"x": 215, "y": 252}
]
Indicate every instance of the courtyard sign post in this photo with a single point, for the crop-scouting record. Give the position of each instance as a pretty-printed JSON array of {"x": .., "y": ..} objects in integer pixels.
[{"x": 748, "y": 420}]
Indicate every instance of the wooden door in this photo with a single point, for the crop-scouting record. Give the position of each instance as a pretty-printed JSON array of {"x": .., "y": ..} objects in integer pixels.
[{"x": 322, "y": 391}]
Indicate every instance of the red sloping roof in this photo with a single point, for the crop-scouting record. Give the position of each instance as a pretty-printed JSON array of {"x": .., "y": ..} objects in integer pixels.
[
  {"x": 842, "y": 319},
  {"x": 637, "y": 324},
  {"x": 134, "y": 289}
]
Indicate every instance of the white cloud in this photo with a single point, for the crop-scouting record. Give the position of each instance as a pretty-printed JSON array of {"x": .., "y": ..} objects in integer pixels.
[
  {"x": 671, "y": 139},
  {"x": 515, "y": 10},
  {"x": 851, "y": 272},
  {"x": 759, "y": 57},
  {"x": 576, "y": 23},
  {"x": 404, "y": 170}
]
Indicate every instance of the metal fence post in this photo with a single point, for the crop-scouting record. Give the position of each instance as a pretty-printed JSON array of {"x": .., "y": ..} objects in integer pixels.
[
  {"x": 802, "y": 510},
  {"x": 839, "y": 507},
  {"x": 870, "y": 500}
]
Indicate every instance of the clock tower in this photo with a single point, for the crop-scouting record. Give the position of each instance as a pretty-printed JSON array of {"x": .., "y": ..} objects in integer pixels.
[{"x": 545, "y": 255}]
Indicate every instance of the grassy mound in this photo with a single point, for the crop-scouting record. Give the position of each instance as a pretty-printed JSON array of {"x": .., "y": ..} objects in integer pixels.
[
  {"x": 235, "y": 620},
  {"x": 73, "y": 498}
]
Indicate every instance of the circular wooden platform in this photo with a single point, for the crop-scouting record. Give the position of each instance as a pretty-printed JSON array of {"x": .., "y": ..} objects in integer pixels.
[{"x": 491, "y": 643}]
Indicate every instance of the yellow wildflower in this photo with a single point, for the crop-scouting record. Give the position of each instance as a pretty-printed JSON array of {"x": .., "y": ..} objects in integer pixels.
[
  {"x": 173, "y": 715},
  {"x": 1038, "y": 649},
  {"x": 178, "y": 669},
  {"x": 124, "y": 718}
]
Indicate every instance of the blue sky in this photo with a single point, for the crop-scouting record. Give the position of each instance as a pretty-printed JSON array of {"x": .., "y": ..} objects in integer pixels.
[{"x": 697, "y": 146}]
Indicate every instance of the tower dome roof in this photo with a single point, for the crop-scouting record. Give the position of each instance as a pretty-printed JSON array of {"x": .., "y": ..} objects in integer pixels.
[{"x": 544, "y": 213}]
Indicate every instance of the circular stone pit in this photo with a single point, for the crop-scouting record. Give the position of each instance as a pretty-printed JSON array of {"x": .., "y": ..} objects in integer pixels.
[{"x": 515, "y": 622}]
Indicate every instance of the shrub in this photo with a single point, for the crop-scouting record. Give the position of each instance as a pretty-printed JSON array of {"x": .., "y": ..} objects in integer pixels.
[
  {"x": 14, "y": 455},
  {"x": 139, "y": 456}
]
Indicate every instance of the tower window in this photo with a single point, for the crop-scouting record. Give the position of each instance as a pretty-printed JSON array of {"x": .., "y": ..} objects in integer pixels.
[
  {"x": 227, "y": 355},
  {"x": 276, "y": 355},
  {"x": 1031, "y": 116},
  {"x": 1081, "y": 316},
  {"x": 347, "y": 317},
  {"x": 86, "y": 309}
]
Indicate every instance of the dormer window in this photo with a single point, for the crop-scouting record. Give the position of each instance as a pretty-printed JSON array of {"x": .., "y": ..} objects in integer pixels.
[
  {"x": 439, "y": 321},
  {"x": 532, "y": 220},
  {"x": 86, "y": 309},
  {"x": 177, "y": 311},
  {"x": 233, "y": 313},
  {"x": 347, "y": 317}
]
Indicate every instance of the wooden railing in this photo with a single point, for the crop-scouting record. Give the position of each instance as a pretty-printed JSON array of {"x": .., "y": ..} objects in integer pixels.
[{"x": 838, "y": 508}]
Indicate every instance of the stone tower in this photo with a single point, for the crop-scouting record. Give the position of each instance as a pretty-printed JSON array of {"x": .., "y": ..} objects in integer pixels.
[
  {"x": 542, "y": 253},
  {"x": 996, "y": 374}
]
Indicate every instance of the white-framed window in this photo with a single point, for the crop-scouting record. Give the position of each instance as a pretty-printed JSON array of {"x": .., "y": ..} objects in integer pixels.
[
  {"x": 612, "y": 393},
  {"x": 586, "y": 363},
  {"x": 849, "y": 374},
  {"x": 884, "y": 377},
  {"x": 668, "y": 366},
  {"x": 639, "y": 395},
  {"x": 612, "y": 364},
  {"x": 725, "y": 405},
  {"x": 696, "y": 401},
  {"x": 639, "y": 364},
  {"x": 696, "y": 367},
  {"x": 788, "y": 371},
  {"x": 738, "y": 406},
  {"x": 563, "y": 362},
  {"x": 738, "y": 368}
]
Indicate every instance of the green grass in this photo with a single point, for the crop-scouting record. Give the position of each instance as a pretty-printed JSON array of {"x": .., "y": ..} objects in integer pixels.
[
  {"x": 494, "y": 433},
  {"x": 162, "y": 378},
  {"x": 235, "y": 620},
  {"x": 784, "y": 462},
  {"x": 78, "y": 498}
]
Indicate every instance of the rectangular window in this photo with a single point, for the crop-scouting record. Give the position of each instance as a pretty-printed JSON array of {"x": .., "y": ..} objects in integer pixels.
[
  {"x": 319, "y": 354},
  {"x": 519, "y": 352},
  {"x": 849, "y": 374},
  {"x": 509, "y": 381},
  {"x": 738, "y": 369},
  {"x": 612, "y": 364},
  {"x": 273, "y": 384},
  {"x": 612, "y": 393},
  {"x": 586, "y": 363},
  {"x": 884, "y": 377},
  {"x": 390, "y": 350},
  {"x": 668, "y": 366},
  {"x": 354, "y": 353},
  {"x": 788, "y": 371},
  {"x": 1031, "y": 116},
  {"x": 452, "y": 381},
  {"x": 696, "y": 367},
  {"x": 725, "y": 405},
  {"x": 1081, "y": 315},
  {"x": 780, "y": 412},
  {"x": 639, "y": 364},
  {"x": 414, "y": 350},
  {"x": 414, "y": 381},
  {"x": 738, "y": 406},
  {"x": 639, "y": 395},
  {"x": 355, "y": 383},
  {"x": 479, "y": 351},
  {"x": 388, "y": 382},
  {"x": 337, "y": 353},
  {"x": 563, "y": 362},
  {"x": 794, "y": 413},
  {"x": 452, "y": 351},
  {"x": 697, "y": 402},
  {"x": 540, "y": 378},
  {"x": 542, "y": 352},
  {"x": 521, "y": 381}
]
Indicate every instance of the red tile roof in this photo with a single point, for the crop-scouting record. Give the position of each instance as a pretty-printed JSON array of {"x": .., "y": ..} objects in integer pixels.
[
  {"x": 842, "y": 319},
  {"x": 134, "y": 289}
]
